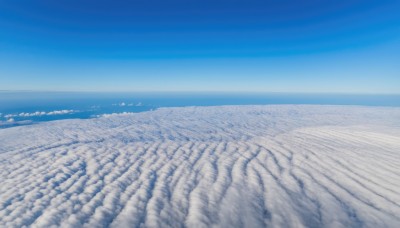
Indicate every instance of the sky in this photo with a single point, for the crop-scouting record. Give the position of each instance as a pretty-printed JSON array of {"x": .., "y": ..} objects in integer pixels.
[{"x": 208, "y": 45}]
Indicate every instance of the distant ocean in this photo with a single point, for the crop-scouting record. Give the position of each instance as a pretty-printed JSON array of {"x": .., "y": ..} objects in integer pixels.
[{"x": 21, "y": 108}]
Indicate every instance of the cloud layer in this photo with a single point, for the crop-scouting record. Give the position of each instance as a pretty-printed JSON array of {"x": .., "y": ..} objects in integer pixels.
[{"x": 233, "y": 166}]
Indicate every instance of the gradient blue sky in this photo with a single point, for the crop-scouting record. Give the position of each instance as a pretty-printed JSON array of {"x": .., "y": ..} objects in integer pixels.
[{"x": 202, "y": 45}]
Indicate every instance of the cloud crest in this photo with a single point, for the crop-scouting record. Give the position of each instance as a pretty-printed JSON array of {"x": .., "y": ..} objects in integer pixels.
[{"x": 233, "y": 166}]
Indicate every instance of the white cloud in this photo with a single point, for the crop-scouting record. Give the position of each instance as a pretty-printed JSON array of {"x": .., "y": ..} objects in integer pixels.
[
  {"x": 60, "y": 112},
  {"x": 123, "y": 104},
  {"x": 233, "y": 166},
  {"x": 38, "y": 113},
  {"x": 115, "y": 114},
  {"x": 11, "y": 122}
]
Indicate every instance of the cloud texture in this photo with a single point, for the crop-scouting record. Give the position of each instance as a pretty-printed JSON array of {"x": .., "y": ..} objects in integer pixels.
[{"x": 233, "y": 166}]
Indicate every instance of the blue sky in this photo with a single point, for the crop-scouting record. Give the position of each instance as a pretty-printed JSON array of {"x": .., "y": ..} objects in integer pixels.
[{"x": 247, "y": 46}]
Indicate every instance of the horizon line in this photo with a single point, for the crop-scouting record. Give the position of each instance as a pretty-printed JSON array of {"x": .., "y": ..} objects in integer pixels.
[{"x": 198, "y": 92}]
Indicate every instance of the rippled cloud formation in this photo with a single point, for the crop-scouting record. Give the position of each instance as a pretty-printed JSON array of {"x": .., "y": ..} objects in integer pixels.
[{"x": 229, "y": 166}]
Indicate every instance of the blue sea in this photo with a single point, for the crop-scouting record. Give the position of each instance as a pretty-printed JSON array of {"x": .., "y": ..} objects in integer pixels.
[{"x": 21, "y": 108}]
